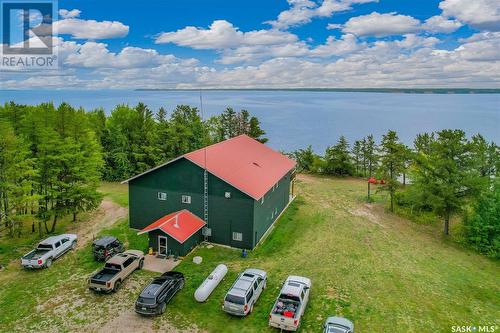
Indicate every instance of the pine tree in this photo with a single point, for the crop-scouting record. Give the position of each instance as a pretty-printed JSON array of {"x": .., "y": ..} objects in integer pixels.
[
  {"x": 338, "y": 159},
  {"x": 446, "y": 174},
  {"x": 16, "y": 177},
  {"x": 255, "y": 131},
  {"x": 357, "y": 154},
  {"x": 391, "y": 163},
  {"x": 369, "y": 149}
]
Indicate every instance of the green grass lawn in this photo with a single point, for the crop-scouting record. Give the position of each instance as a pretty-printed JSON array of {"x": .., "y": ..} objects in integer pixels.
[{"x": 381, "y": 271}]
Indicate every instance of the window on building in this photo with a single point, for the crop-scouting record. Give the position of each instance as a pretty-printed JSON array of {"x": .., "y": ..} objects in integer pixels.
[
  {"x": 237, "y": 236},
  {"x": 272, "y": 215},
  {"x": 276, "y": 211},
  {"x": 262, "y": 201},
  {"x": 186, "y": 199},
  {"x": 162, "y": 196},
  {"x": 227, "y": 195}
]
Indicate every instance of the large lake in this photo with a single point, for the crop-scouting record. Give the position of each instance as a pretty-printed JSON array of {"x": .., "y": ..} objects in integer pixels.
[{"x": 295, "y": 119}]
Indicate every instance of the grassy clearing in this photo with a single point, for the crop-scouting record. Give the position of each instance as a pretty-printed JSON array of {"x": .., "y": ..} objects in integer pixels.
[
  {"x": 116, "y": 192},
  {"x": 374, "y": 268},
  {"x": 381, "y": 271}
]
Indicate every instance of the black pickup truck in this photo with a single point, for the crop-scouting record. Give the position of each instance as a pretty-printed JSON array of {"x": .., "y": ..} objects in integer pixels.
[{"x": 154, "y": 298}]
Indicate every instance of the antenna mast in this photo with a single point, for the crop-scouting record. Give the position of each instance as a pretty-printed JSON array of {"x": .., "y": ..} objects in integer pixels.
[{"x": 205, "y": 179}]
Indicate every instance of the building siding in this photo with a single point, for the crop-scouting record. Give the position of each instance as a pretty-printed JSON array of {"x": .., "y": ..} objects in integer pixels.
[
  {"x": 267, "y": 212},
  {"x": 182, "y": 177}
]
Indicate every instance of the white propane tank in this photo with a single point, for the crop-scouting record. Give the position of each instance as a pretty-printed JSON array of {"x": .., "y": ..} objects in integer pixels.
[{"x": 205, "y": 289}]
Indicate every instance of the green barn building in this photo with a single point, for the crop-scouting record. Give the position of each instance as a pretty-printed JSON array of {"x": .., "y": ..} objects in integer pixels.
[{"x": 229, "y": 193}]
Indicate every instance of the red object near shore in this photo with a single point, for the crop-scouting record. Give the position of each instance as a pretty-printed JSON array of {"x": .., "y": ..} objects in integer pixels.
[{"x": 372, "y": 180}]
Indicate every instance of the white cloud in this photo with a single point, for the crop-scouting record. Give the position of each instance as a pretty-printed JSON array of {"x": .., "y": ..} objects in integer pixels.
[
  {"x": 376, "y": 24},
  {"x": 69, "y": 13},
  {"x": 412, "y": 41},
  {"x": 481, "y": 47},
  {"x": 303, "y": 11},
  {"x": 253, "y": 54},
  {"x": 90, "y": 29},
  {"x": 338, "y": 47},
  {"x": 333, "y": 26},
  {"x": 97, "y": 55},
  {"x": 439, "y": 24},
  {"x": 223, "y": 35},
  {"x": 481, "y": 14}
]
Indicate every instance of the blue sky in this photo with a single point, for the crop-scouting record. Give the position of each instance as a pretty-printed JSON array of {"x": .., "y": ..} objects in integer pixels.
[{"x": 272, "y": 44}]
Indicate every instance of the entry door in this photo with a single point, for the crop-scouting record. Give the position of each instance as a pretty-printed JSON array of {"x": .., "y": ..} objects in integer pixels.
[{"x": 162, "y": 245}]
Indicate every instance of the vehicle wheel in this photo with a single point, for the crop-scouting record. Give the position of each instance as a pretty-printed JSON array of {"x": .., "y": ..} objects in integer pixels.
[
  {"x": 181, "y": 285},
  {"x": 265, "y": 285},
  {"x": 163, "y": 307},
  {"x": 117, "y": 285},
  {"x": 73, "y": 245},
  {"x": 48, "y": 263},
  {"x": 141, "y": 264},
  {"x": 251, "y": 309}
]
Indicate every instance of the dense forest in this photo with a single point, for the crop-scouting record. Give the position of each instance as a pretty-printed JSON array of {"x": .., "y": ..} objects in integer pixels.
[
  {"x": 53, "y": 158},
  {"x": 450, "y": 175}
]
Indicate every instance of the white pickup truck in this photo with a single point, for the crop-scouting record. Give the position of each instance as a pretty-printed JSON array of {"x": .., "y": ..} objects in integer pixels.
[
  {"x": 291, "y": 303},
  {"x": 48, "y": 250}
]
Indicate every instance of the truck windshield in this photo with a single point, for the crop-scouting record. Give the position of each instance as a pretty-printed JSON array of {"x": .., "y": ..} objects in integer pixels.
[
  {"x": 336, "y": 329},
  {"x": 290, "y": 297},
  {"x": 112, "y": 266},
  {"x": 44, "y": 247},
  {"x": 235, "y": 299},
  {"x": 146, "y": 300}
]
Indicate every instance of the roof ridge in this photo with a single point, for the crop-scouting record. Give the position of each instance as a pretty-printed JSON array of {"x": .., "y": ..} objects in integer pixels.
[{"x": 215, "y": 144}]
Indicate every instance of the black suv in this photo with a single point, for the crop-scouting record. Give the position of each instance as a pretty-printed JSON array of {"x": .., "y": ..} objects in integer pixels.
[
  {"x": 106, "y": 247},
  {"x": 154, "y": 298}
]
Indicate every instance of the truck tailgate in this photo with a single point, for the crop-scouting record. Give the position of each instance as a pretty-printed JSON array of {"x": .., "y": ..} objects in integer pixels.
[
  {"x": 286, "y": 323},
  {"x": 30, "y": 262}
]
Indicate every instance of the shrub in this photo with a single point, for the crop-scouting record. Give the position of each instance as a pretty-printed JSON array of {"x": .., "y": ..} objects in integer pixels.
[{"x": 482, "y": 226}]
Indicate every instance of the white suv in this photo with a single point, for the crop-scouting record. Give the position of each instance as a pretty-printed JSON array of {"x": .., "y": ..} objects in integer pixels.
[{"x": 245, "y": 291}]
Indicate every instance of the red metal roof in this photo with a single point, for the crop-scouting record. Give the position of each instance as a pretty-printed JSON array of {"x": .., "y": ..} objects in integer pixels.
[
  {"x": 245, "y": 163},
  {"x": 179, "y": 225}
]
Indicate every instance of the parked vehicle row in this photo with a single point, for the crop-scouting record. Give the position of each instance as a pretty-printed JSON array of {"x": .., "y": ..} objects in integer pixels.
[{"x": 240, "y": 299}]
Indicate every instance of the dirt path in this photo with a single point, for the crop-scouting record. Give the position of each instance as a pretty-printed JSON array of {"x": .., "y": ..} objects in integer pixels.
[{"x": 105, "y": 216}]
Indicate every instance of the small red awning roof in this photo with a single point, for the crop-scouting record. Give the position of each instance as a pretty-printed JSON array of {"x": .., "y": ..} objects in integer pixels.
[{"x": 179, "y": 225}]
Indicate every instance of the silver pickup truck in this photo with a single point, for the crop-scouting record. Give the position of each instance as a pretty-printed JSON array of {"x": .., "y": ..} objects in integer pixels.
[
  {"x": 48, "y": 250},
  {"x": 291, "y": 303}
]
